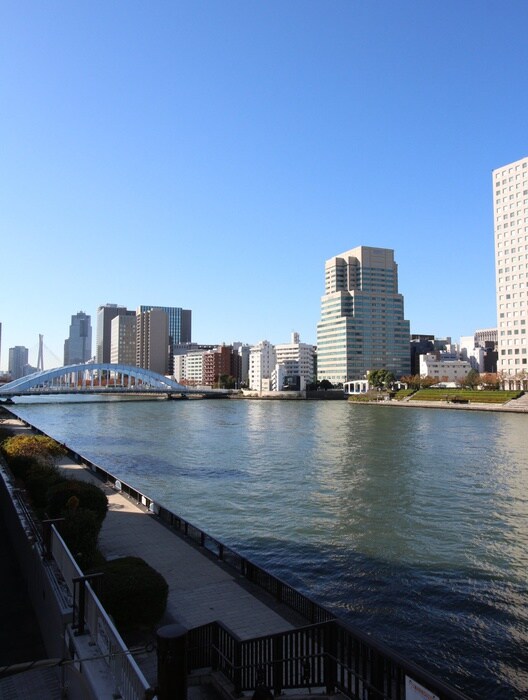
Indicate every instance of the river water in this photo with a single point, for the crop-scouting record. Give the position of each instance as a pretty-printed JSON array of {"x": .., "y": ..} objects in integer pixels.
[{"x": 410, "y": 523}]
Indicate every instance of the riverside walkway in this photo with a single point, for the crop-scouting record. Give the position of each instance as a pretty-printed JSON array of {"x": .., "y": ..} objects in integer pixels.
[{"x": 200, "y": 590}]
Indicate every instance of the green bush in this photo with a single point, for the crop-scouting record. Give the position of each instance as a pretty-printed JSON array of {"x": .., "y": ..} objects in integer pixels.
[
  {"x": 20, "y": 465},
  {"x": 32, "y": 446},
  {"x": 80, "y": 531},
  {"x": 133, "y": 592},
  {"x": 38, "y": 479},
  {"x": 89, "y": 496}
]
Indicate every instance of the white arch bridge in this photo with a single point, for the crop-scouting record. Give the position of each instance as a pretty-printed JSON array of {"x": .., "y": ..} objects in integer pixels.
[{"x": 100, "y": 378}]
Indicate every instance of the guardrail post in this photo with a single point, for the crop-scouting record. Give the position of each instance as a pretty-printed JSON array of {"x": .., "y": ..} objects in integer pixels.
[
  {"x": 237, "y": 670},
  {"x": 46, "y": 536},
  {"x": 330, "y": 659},
  {"x": 79, "y": 585},
  {"x": 377, "y": 674},
  {"x": 172, "y": 662},
  {"x": 277, "y": 665}
]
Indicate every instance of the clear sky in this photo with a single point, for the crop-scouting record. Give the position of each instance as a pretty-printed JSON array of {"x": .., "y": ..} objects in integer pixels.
[{"x": 213, "y": 154}]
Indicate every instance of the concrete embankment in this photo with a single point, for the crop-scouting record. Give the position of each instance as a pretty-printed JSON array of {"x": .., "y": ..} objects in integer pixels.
[{"x": 514, "y": 406}]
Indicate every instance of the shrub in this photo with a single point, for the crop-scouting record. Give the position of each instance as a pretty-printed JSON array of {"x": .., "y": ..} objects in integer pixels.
[
  {"x": 133, "y": 592},
  {"x": 38, "y": 479},
  {"x": 80, "y": 531},
  {"x": 36, "y": 446},
  {"x": 21, "y": 465},
  {"x": 89, "y": 497}
]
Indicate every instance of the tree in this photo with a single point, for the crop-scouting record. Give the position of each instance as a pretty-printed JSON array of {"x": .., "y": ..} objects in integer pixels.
[
  {"x": 325, "y": 384},
  {"x": 471, "y": 380},
  {"x": 490, "y": 380},
  {"x": 226, "y": 381},
  {"x": 380, "y": 378},
  {"x": 412, "y": 381},
  {"x": 426, "y": 382}
]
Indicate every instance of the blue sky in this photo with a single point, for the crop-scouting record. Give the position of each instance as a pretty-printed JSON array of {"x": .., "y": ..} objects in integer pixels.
[{"x": 212, "y": 155}]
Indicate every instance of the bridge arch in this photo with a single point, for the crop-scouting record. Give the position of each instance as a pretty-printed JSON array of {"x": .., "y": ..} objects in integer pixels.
[{"x": 91, "y": 378}]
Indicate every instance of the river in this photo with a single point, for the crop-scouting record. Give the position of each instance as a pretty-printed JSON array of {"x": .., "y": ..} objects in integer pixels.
[{"x": 410, "y": 523}]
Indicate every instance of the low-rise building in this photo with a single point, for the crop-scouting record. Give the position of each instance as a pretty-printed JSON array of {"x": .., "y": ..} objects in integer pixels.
[
  {"x": 296, "y": 359},
  {"x": 444, "y": 368}
]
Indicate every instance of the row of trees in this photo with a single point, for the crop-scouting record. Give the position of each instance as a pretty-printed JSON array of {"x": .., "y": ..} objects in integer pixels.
[
  {"x": 384, "y": 379},
  {"x": 473, "y": 379}
]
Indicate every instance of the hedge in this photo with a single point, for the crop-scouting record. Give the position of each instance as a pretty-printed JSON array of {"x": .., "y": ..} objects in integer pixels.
[
  {"x": 88, "y": 496},
  {"x": 133, "y": 592}
]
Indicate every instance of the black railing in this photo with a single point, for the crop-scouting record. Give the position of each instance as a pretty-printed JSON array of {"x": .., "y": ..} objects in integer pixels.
[{"x": 329, "y": 655}]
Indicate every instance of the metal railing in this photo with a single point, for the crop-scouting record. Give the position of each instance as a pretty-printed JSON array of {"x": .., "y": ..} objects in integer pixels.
[
  {"x": 90, "y": 617},
  {"x": 331, "y": 656}
]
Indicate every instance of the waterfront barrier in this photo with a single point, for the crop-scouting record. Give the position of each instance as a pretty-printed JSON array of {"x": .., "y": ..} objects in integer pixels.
[
  {"x": 330, "y": 656},
  {"x": 329, "y": 653}
]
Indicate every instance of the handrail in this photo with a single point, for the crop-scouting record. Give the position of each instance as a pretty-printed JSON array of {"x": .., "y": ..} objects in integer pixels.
[
  {"x": 92, "y": 618},
  {"x": 328, "y": 655}
]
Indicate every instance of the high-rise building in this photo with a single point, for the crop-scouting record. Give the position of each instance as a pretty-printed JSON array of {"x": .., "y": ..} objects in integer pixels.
[
  {"x": 18, "y": 361},
  {"x": 78, "y": 345},
  {"x": 105, "y": 315},
  {"x": 262, "y": 361},
  {"x": 152, "y": 340},
  {"x": 510, "y": 212},
  {"x": 362, "y": 324},
  {"x": 179, "y": 327},
  {"x": 123, "y": 339}
]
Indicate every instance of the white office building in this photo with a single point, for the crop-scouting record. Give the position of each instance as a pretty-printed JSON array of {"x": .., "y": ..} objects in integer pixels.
[
  {"x": 188, "y": 368},
  {"x": 510, "y": 212},
  {"x": 442, "y": 369},
  {"x": 296, "y": 358},
  {"x": 262, "y": 361},
  {"x": 472, "y": 352}
]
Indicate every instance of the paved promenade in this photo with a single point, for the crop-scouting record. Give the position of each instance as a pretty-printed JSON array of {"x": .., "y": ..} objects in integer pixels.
[{"x": 201, "y": 589}]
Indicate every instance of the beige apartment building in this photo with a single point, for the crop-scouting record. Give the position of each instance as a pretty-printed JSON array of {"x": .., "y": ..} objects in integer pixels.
[
  {"x": 362, "y": 324},
  {"x": 152, "y": 340},
  {"x": 510, "y": 211}
]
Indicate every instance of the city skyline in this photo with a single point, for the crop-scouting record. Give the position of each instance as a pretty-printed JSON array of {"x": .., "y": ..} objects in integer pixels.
[{"x": 210, "y": 156}]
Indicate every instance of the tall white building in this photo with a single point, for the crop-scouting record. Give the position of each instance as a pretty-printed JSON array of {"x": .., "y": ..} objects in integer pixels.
[
  {"x": 262, "y": 360},
  {"x": 510, "y": 211},
  {"x": 362, "y": 324}
]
